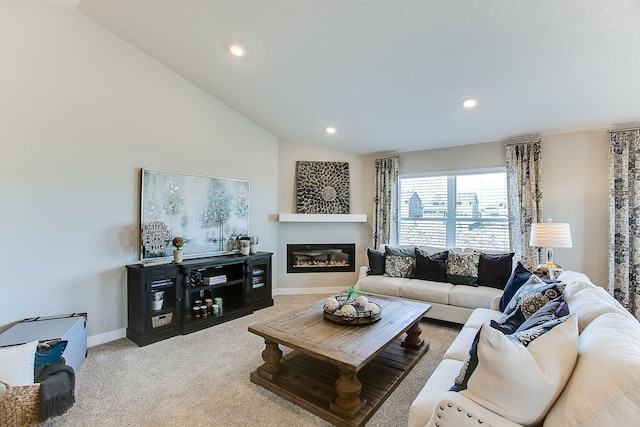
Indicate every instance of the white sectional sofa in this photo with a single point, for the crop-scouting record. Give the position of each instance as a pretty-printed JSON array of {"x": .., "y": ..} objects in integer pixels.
[
  {"x": 600, "y": 385},
  {"x": 449, "y": 302}
]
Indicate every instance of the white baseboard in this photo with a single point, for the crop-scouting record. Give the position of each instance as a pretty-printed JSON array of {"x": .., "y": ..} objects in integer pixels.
[
  {"x": 308, "y": 291},
  {"x": 94, "y": 340},
  {"x": 106, "y": 337}
]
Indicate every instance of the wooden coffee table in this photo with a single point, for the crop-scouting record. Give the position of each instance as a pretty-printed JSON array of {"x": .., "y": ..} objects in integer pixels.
[{"x": 341, "y": 373}]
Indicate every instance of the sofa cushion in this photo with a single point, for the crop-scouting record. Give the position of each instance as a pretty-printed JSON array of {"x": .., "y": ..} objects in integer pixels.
[
  {"x": 439, "y": 382},
  {"x": 533, "y": 295},
  {"x": 17, "y": 363},
  {"x": 431, "y": 267},
  {"x": 481, "y": 316},
  {"x": 459, "y": 348},
  {"x": 518, "y": 277},
  {"x": 501, "y": 373},
  {"x": 426, "y": 290},
  {"x": 462, "y": 269},
  {"x": 604, "y": 389},
  {"x": 382, "y": 285},
  {"x": 376, "y": 262},
  {"x": 472, "y": 296},
  {"x": 591, "y": 302},
  {"x": 494, "y": 270}
]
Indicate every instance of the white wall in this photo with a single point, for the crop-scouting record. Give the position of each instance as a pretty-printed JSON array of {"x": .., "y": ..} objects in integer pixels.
[
  {"x": 289, "y": 154},
  {"x": 81, "y": 112},
  {"x": 575, "y": 188}
]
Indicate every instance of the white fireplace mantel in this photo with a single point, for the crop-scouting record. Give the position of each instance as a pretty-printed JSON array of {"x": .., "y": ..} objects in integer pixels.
[{"x": 284, "y": 217}]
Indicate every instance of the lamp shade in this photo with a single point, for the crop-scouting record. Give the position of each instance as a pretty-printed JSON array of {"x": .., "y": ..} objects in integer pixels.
[{"x": 550, "y": 235}]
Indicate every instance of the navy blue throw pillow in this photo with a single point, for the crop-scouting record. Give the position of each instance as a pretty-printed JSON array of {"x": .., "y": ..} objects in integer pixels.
[
  {"x": 376, "y": 262},
  {"x": 494, "y": 270},
  {"x": 51, "y": 354},
  {"x": 519, "y": 277},
  {"x": 510, "y": 324},
  {"x": 431, "y": 267}
]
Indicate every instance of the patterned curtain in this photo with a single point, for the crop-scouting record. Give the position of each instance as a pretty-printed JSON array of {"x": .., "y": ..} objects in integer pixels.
[
  {"x": 524, "y": 192},
  {"x": 385, "y": 203},
  {"x": 624, "y": 219}
]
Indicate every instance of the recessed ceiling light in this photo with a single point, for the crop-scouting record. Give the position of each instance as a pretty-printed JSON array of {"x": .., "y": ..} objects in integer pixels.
[
  {"x": 236, "y": 49},
  {"x": 331, "y": 130},
  {"x": 469, "y": 102}
]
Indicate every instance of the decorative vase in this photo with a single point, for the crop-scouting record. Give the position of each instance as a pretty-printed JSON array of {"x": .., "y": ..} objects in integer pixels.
[{"x": 177, "y": 255}]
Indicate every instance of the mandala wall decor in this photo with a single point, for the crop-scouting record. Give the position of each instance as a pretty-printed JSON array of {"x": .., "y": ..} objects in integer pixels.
[
  {"x": 322, "y": 187},
  {"x": 208, "y": 213}
]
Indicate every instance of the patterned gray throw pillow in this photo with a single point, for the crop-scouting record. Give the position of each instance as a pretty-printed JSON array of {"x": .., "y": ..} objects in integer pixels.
[
  {"x": 462, "y": 269},
  {"x": 399, "y": 266}
]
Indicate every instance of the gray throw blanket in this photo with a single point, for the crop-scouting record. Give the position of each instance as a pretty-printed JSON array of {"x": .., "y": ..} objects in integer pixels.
[{"x": 57, "y": 389}]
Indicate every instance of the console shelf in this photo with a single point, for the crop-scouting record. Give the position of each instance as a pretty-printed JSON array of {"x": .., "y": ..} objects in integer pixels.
[{"x": 242, "y": 283}]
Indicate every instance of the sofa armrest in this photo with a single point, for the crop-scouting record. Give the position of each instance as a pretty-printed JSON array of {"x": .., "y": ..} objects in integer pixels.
[
  {"x": 453, "y": 409},
  {"x": 362, "y": 273},
  {"x": 495, "y": 304}
]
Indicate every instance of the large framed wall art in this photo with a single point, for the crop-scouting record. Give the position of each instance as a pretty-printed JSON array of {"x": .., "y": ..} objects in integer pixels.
[{"x": 209, "y": 214}]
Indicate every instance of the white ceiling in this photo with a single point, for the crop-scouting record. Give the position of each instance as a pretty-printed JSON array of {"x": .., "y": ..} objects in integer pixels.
[{"x": 390, "y": 75}]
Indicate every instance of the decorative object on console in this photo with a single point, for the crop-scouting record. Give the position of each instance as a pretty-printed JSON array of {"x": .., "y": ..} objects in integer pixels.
[
  {"x": 322, "y": 187},
  {"x": 177, "y": 252},
  {"x": 550, "y": 235},
  {"x": 207, "y": 212}
]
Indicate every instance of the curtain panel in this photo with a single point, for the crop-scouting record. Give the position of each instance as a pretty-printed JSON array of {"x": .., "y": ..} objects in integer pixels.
[
  {"x": 524, "y": 191},
  {"x": 624, "y": 218},
  {"x": 385, "y": 202}
]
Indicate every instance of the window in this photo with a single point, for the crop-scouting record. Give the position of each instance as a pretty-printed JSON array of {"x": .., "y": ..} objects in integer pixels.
[{"x": 455, "y": 211}]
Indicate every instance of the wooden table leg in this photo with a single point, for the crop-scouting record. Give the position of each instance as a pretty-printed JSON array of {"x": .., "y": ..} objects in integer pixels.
[
  {"x": 272, "y": 366},
  {"x": 413, "y": 340},
  {"x": 348, "y": 388}
]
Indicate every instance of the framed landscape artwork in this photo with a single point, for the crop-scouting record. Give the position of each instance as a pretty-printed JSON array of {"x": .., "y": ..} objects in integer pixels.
[{"x": 208, "y": 213}]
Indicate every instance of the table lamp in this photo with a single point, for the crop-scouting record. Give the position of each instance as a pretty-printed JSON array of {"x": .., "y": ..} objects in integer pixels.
[{"x": 549, "y": 235}]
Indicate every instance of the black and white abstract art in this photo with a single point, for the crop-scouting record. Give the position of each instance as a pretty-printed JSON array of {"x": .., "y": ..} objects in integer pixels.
[{"x": 322, "y": 187}]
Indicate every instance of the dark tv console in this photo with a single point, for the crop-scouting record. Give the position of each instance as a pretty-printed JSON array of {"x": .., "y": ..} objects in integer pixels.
[{"x": 162, "y": 299}]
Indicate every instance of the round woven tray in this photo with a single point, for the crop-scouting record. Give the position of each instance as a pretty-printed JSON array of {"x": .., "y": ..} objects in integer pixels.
[{"x": 362, "y": 317}]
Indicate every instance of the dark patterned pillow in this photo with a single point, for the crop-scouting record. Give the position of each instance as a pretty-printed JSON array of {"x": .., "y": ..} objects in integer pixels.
[
  {"x": 431, "y": 267},
  {"x": 462, "y": 269},
  {"x": 533, "y": 295},
  {"x": 376, "y": 262},
  {"x": 399, "y": 266},
  {"x": 552, "y": 310},
  {"x": 494, "y": 269}
]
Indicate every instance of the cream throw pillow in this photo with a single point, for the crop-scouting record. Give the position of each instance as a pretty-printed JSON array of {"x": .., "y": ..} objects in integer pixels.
[
  {"x": 517, "y": 382},
  {"x": 16, "y": 363}
]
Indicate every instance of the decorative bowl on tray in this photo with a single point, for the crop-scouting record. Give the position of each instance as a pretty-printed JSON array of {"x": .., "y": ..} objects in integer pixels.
[{"x": 349, "y": 309}]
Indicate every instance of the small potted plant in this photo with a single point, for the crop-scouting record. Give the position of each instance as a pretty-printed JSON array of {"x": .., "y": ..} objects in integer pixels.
[{"x": 177, "y": 252}]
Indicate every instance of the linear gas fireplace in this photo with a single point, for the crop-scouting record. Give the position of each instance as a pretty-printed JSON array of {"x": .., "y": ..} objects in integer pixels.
[{"x": 321, "y": 258}]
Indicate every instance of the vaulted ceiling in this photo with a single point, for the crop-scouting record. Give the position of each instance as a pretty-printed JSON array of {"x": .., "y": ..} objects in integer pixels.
[{"x": 391, "y": 75}]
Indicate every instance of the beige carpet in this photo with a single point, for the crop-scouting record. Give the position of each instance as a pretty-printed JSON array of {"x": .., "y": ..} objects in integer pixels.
[{"x": 202, "y": 379}]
